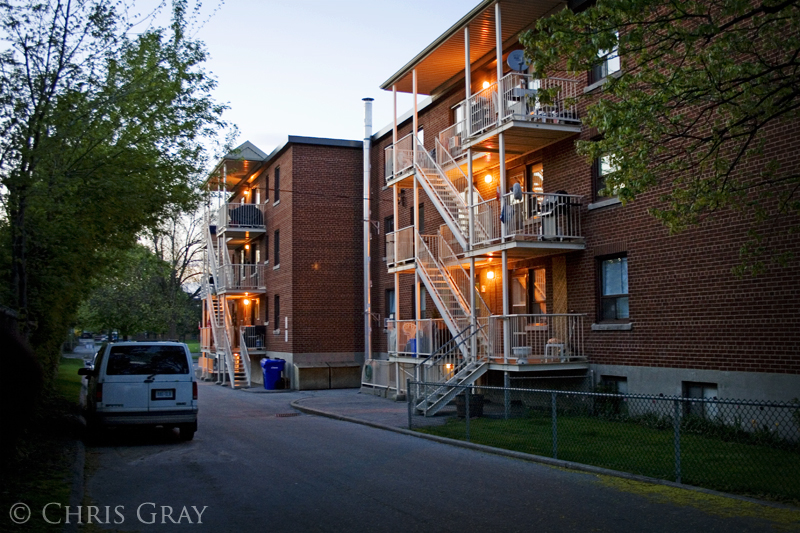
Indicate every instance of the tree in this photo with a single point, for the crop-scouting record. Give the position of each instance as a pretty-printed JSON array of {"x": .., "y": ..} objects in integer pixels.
[
  {"x": 103, "y": 135},
  {"x": 131, "y": 298},
  {"x": 178, "y": 242},
  {"x": 704, "y": 86},
  {"x": 138, "y": 295}
]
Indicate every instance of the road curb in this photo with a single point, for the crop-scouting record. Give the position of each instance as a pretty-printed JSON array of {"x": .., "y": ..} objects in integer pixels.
[{"x": 548, "y": 461}]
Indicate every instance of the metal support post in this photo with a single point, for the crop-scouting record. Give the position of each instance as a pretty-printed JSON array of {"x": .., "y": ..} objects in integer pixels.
[
  {"x": 408, "y": 401},
  {"x": 466, "y": 410},
  {"x": 553, "y": 402},
  {"x": 506, "y": 395},
  {"x": 676, "y": 426}
]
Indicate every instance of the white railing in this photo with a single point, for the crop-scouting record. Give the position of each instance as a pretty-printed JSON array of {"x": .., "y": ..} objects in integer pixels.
[
  {"x": 540, "y": 338},
  {"x": 482, "y": 110},
  {"x": 228, "y": 336},
  {"x": 451, "y": 141},
  {"x": 520, "y": 99},
  {"x": 542, "y": 216},
  {"x": 254, "y": 336},
  {"x": 405, "y": 156},
  {"x": 244, "y": 355},
  {"x": 416, "y": 338},
  {"x": 405, "y": 246},
  {"x": 245, "y": 216},
  {"x": 241, "y": 277},
  {"x": 532, "y": 216}
]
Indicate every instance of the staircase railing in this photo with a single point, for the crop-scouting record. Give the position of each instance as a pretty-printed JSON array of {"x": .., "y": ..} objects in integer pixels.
[
  {"x": 244, "y": 355},
  {"x": 227, "y": 329},
  {"x": 454, "y": 310}
]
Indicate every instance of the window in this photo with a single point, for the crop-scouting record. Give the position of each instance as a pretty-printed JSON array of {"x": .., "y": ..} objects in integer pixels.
[
  {"x": 277, "y": 311},
  {"x": 519, "y": 294},
  {"x": 390, "y": 304},
  {"x": 388, "y": 224},
  {"x": 388, "y": 227},
  {"x": 421, "y": 136},
  {"x": 277, "y": 245},
  {"x": 607, "y": 63},
  {"x": 706, "y": 391},
  {"x": 614, "y": 289},
  {"x": 277, "y": 185},
  {"x": 266, "y": 310},
  {"x": 603, "y": 167},
  {"x": 266, "y": 249}
]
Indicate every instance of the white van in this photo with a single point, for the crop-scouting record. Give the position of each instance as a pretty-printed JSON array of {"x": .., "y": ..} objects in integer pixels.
[{"x": 142, "y": 383}]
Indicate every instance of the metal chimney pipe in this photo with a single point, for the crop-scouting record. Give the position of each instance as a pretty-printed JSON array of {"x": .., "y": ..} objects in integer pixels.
[{"x": 367, "y": 219}]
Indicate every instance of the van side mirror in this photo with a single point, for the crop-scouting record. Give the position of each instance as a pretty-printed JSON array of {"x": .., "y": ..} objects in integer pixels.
[{"x": 85, "y": 371}]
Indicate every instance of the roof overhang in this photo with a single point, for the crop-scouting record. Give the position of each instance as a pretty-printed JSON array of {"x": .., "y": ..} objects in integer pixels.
[
  {"x": 442, "y": 62},
  {"x": 242, "y": 163}
]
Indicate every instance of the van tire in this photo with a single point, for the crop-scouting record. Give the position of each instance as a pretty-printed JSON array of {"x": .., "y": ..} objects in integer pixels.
[{"x": 187, "y": 431}]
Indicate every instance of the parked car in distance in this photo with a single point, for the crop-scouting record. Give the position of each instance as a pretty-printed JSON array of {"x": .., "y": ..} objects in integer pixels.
[{"x": 142, "y": 383}]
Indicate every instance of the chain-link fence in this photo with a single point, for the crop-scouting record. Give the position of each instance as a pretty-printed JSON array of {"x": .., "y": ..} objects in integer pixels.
[{"x": 743, "y": 447}]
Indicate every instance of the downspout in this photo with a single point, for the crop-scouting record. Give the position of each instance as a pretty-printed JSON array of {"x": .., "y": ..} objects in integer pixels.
[{"x": 367, "y": 215}]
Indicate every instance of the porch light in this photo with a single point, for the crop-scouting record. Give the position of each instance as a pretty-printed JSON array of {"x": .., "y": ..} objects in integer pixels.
[
  {"x": 488, "y": 178},
  {"x": 246, "y": 301},
  {"x": 490, "y": 274},
  {"x": 449, "y": 366},
  {"x": 246, "y": 246},
  {"x": 486, "y": 85},
  {"x": 247, "y": 192}
]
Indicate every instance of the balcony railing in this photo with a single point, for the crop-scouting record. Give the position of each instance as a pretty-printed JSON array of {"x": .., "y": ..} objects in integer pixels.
[
  {"x": 405, "y": 246},
  {"x": 402, "y": 336},
  {"x": 405, "y": 156},
  {"x": 452, "y": 141},
  {"x": 532, "y": 216},
  {"x": 540, "y": 338},
  {"x": 254, "y": 337},
  {"x": 241, "y": 277},
  {"x": 519, "y": 99},
  {"x": 244, "y": 216}
]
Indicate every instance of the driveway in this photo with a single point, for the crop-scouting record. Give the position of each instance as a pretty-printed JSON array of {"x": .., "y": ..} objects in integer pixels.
[{"x": 256, "y": 464}]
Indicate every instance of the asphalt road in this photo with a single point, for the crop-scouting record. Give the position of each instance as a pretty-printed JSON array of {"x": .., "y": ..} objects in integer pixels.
[{"x": 251, "y": 469}]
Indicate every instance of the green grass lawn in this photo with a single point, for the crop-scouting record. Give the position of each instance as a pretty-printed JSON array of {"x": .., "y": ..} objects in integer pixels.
[
  {"x": 40, "y": 472},
  {"x": 755, "y": 470},
  {"x": 194, "y": 346}
]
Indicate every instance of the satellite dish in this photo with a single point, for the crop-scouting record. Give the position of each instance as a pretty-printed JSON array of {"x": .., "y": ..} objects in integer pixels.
[{"x": 517, "y": 61}]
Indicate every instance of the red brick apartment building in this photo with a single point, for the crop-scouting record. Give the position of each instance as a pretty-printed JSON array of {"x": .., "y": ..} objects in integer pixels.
[
  {"x": 494, "y": 234},
  {"x": 283, "y": 277}
]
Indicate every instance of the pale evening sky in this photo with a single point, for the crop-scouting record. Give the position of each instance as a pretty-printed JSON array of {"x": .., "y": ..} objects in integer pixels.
[{"x": 302, "y": 67}]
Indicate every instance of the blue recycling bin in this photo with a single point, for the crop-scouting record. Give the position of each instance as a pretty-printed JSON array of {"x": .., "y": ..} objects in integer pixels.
[{"x": 272, "y": 369}]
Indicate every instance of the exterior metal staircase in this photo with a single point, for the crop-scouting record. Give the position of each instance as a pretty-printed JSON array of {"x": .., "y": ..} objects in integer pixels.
[
  {"x": 458, "y": 372},
  {"x": 236, "y": 365},
  {"x": 448, "y": 284},
  {"x": 448, "y": 189}
]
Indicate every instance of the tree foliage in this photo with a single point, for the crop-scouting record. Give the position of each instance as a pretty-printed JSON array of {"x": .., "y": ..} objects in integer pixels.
[
  {"x": 705, "y": 86},
  {"x": 138, "y": 295},
  {"x": 103, "y": 136}
]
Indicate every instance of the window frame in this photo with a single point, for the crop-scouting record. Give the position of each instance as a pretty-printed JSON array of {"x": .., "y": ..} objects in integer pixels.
[
  {"x": 602, "y": 69},
  {"x": 599, "y": 179},
  {"x": 277, "y": 182},
  {"x": 602, "y": 298},
  {"x": 276, "y": 246}
]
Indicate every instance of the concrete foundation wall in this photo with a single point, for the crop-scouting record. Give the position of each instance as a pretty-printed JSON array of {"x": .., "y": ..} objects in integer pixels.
[{"x": 733, "y": 385}]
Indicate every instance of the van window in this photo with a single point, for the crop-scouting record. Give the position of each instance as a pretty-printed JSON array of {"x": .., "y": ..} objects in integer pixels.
[{"x": 147, "y": 360}]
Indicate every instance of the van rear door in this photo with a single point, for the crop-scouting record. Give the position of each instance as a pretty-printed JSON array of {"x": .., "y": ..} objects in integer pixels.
[
  {"x": 171, "y": 385},
  {"x": 124, "y": 390}
]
